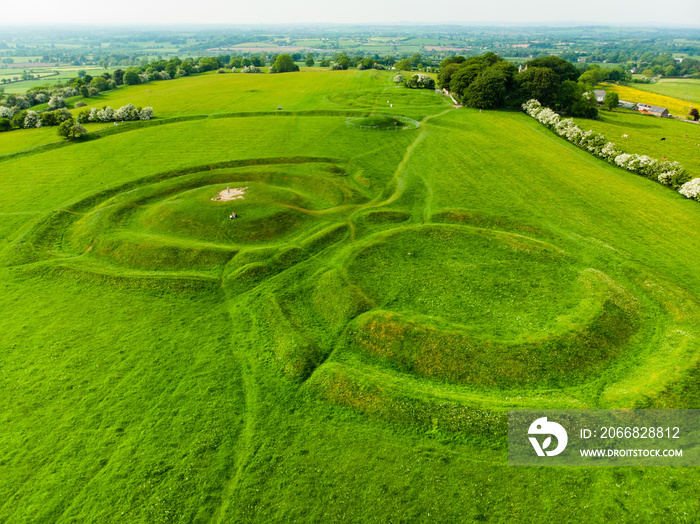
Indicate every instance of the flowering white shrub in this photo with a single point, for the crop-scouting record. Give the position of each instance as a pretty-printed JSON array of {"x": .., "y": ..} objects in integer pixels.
[
  {"x": 623, "y": 160},
  {"x": 143, "y": 78},
  {"x": 398, "y": 78},
  {"x": 105, "y": 114},
  {"x": 32, "y": 120},
  {"x": 609, "y": 152},
  {"x": 57, "y": 101},
  {"x": 41, "y": 98},
  {"x": 573, "y": 134},
  {"x": 7, "y": 112},
  {"x": 691, "y": 189},
  {"x": 62, "y": 115},
  {"x": 532, "y": 107},
  {"x": 67, "y": 92},
  {"x": 127, "y": 112},
  {"x": 250, "y": 69},
  {"x": 548, "y": 117},
  {"x": 146, "y": 113},
  {"x": 665, "y": 178},
  {"x": 563, "y": 126},
  {"x": 22, "y": 102},
  {"x": 595, "y": 143},
  {"x": 421, "y": 81}
]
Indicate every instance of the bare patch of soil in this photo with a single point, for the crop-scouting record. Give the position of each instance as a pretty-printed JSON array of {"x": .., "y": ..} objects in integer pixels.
[{"x": 230, "y": 193}]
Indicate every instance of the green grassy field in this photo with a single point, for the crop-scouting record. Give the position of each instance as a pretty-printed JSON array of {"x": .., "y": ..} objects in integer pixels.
[
  {"x": 306, "y": 91},
  {"x": 645, "y": 134},
  {"x": 20, "y": 140},
  {"x": 345, "y": 350}
]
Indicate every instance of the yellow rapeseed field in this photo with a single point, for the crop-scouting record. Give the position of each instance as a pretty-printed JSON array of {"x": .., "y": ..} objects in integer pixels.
[{"x": 675, "y": 106}]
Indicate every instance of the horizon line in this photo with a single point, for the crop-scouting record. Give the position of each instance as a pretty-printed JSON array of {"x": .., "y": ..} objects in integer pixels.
[{"x": 464, "y": 24}]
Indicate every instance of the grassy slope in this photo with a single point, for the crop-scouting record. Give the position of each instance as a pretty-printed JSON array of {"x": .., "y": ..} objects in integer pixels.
[
  {"x": 644, "y": 134},
  {"x": 22, "y": 139},
  {"x": 169, "y": 402},
  {"x": 249, "y": 92}
]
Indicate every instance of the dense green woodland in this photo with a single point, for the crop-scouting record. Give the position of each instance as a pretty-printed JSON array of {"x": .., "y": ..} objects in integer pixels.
[
  {"x": 347, "y": 348},
  {"x": 489, "y": 82}
]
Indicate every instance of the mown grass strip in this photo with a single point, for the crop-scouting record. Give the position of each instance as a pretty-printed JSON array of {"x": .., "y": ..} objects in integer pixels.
[{"x": 131, "y": 126}]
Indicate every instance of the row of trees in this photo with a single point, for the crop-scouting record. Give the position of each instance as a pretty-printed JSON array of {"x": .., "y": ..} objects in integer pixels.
[
  {"x": 489, "y": 81},
  {"x": 594, "y": 74},
  {"x": 28, "y": 118},
  {"x": 125, "y": 113},
  {"x": 417, "y": 81}
]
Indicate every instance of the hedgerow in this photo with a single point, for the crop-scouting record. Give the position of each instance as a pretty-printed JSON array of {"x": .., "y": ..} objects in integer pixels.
[
  {"x": 668, "y": 173},
  {"x": 125, "y": 113}
]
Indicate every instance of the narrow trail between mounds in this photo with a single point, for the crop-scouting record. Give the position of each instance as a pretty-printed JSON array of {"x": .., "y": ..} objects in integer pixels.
[{"x": 397, "y": 178}]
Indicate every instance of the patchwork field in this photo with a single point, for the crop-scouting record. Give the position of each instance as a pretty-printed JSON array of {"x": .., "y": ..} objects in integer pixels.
[
  {"x": 49, "y": 74},
  {"x": 346, "y": 348},
  {"x": 687, "y": 89},
  {"x": 677, "y": 99}
]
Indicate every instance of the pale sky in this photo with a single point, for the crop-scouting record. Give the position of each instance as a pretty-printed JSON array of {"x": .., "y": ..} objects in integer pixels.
[{"x": 226, "y": 12}]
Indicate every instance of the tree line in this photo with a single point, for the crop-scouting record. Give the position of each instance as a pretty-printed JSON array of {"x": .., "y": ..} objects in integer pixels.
[{"x": 488, "y": 81}]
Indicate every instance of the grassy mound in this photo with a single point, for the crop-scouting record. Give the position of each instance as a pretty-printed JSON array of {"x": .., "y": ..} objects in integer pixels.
[
  {"x": 492, "y": 308},
  {"x": 497, "y": 283},
  {"x": 381, "y": 123}
]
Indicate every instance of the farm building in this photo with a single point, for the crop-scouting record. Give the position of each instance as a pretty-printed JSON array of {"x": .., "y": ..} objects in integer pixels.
[
  {"x": 661, "y": 112},
  {"x": 599, "y": 95}
]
